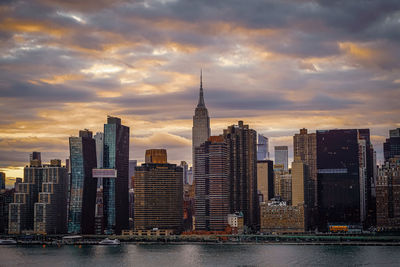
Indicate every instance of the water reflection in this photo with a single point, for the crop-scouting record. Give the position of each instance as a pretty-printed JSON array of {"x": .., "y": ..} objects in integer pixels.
[{"x": 200, "y": 255}]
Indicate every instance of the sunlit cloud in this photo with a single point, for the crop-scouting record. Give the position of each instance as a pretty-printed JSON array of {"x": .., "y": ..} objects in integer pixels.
[
  {"x": 75, "y": 17},
  {"x": 277, "y": 65}
]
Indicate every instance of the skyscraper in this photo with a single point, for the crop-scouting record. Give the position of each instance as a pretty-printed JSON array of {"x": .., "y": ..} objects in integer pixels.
[
  {"x": 242, "y": 170},
  {"x": 305, "y": 149},
  {"x": 83, "y": 186},
  {"x": 116, "y": 191},
  {"x": 262, "y": 148},
  {"x": 265, "y": 179},
  {"x": 281, "y": 156},
  {"x": 99, "y": 212},
  {"x": 301, "y": 193},
  {"x": 21, "y": 211},
  {"x": 50, "y": 216},
  {"x": 201, "y": 122},
  {"x": 341, "y": 177},
  {"x": 391, "y": 147},
  {"x": 212, "y": 185},
  {"x": 158, "y": 194}
]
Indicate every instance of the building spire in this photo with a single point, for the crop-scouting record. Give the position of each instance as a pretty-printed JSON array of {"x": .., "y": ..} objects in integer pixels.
[{"x": 201, "y": 97}]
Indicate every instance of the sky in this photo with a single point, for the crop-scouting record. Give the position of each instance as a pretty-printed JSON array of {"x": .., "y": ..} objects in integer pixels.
[{"x": 277, "y": 65}]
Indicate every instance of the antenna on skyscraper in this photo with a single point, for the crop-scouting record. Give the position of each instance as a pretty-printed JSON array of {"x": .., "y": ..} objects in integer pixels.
[{"x": 201, "y": 78}]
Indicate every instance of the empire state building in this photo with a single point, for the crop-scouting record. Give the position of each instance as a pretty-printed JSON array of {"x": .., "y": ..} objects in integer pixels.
[{"x": 201, "y": 122}]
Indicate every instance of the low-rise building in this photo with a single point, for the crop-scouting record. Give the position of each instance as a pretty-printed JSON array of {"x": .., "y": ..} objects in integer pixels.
[
  {"x": 236, "y": 222},
  {"x": 278, "y": 217},
  {"x": 152, "y": 232}
]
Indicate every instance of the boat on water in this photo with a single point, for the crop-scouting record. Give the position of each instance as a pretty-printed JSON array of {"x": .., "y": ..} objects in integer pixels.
[
  {"x": 8, "y": 242},
  {"x": 111, "y": 242}
]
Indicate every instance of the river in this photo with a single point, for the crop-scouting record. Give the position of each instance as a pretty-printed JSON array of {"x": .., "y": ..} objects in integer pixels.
[{"x": 201, "y": 255}]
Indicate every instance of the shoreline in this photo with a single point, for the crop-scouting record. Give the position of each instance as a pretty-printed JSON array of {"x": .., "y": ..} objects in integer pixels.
[{"x": 309, "y": 240}]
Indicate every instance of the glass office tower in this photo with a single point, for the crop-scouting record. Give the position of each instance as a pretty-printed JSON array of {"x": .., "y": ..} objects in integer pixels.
[
  {"x": 116, "y": 190},
  {"x": 83, "y": 186},
  {"x": 342, "y": 179}
]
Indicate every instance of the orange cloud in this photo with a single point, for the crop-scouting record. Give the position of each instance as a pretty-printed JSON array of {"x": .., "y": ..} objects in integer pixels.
[
  {"x": 60, "y": 79},
  {"x": 13, "y": 25}
]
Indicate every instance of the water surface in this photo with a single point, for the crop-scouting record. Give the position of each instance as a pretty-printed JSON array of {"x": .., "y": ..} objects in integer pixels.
[{"x": 201, "y": 255}]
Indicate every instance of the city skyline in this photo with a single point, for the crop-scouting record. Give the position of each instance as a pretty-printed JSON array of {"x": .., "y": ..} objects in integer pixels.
[{"x": 318, "y": 66}]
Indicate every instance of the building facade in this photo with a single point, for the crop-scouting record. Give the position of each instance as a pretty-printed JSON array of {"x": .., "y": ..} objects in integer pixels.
[
  {"x": 342, "y": 177},
  {"x": 388, "y": 195},
  {"x": 201, "y": 122},
  {"x": 302, "y": 193},
  {"x": 265, "y": 179},
  {"x": 6, "y": 197},
  {"x": 262, "y": 147},
  {"x": 212, "y": 185},
  {"x": 21, "y": 210},
  {"x": 158, "y": 196},
  {"x": 391, "y": 147},
  {"x": 242, "y": 171},
  {"x": 116, "y": 191},
  {"x": 283, "y": 185},
  {"x": 281, "y": 156},
  {"x": 83, "y": 186},
  {"x": 277, "y": 217},
  {"x": 50, "y": 216}
]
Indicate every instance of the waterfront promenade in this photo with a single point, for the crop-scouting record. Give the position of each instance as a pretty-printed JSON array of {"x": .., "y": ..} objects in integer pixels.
[{"x": 306, "y": 239}]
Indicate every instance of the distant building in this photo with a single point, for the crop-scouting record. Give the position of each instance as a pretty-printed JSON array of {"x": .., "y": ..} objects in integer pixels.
[
  {"x": 277, "y": 217},
  {"x": 190, "y": 176},
  {"x": 158, "y": 195},
  {"x": 265, "y": 178},
  {"x": 388, "y": 195},
  {"x": 281, "y": 156},
  {"x": 35, "y": 157},
  {"x": 185, "y": 167},
  {"x": 83, "y": 186},
  {"x": 236, "y": 222},
  {"x": 50, "y": 215},
  {"x": 116, "y": 190},
  {"x": 391, "y": 147},
  {"x": 17, "y": 181},
  {"x": 262, "y": 148},
  {"x": 132, "y": 166},
  {"x": 212, "y": 185},
  {"x": 2, "y": 180},
  {"x": 156, "y": 156},
  {"x": 21, "y": 210},
  {"x": 242, "y": 169},
  {"x": 283, "y": 185},
  {"x": 201, "y": 122},
  {"x": 6, "y": 197}
]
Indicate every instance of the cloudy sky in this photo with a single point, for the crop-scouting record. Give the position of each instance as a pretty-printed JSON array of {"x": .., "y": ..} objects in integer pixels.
[{"x": 278, "y": 65}]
